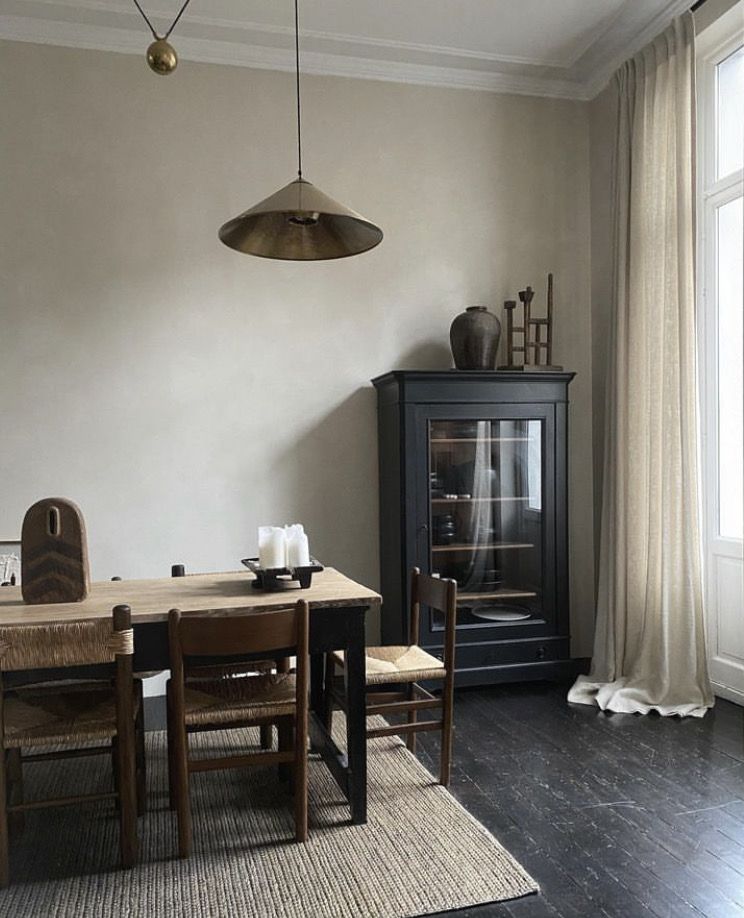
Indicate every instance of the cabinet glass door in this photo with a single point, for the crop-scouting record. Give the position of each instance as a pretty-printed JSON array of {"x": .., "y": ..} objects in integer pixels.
[{"x": 486, "y": 519}]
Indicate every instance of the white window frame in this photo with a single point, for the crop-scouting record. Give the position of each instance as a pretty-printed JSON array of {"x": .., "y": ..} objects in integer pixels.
[{"x": 715, "y": 44}]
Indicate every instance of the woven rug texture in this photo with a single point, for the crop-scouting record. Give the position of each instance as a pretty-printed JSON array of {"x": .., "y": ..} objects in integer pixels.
[{"x": 420, "y": 853}]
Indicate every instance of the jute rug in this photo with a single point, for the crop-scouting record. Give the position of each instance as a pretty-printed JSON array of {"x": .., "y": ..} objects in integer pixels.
[{"x": 420, "y": 852}]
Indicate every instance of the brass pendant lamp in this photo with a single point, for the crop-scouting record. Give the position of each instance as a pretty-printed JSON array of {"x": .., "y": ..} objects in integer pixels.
[
  {"x": 299, "y": 222},
  {"x": 161, "y": 55}
]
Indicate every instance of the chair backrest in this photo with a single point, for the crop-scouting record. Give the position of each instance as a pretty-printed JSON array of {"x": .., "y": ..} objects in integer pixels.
[
  {"x": 235, "y": 632},
  {"x": 228, "y": 632},
  {"x": 64, "y": 644},
  {"x": 440, "y": 594}
]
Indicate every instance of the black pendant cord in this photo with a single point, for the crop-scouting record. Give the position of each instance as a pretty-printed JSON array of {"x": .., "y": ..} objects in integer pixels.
[
  {"x": 172, "y": 25},
  {"x": 297, "y": 73}
]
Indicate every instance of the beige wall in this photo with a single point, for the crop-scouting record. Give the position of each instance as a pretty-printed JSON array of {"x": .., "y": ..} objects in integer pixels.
[{"x": 184, "y": 394}]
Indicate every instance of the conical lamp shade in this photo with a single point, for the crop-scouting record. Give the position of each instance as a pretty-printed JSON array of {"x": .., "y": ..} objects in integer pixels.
[{"x": 300, "y": 223}]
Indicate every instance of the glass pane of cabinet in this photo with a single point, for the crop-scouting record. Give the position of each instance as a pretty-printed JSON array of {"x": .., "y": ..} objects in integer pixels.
[{"x": 485, "y": 494}]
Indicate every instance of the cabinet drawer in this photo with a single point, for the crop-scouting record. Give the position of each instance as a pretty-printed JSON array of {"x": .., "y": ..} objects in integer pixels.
[{"x": 535, "y": 650}]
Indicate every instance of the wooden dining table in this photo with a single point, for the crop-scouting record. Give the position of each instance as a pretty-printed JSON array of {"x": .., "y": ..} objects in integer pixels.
[{"x": 338, "y": 607}]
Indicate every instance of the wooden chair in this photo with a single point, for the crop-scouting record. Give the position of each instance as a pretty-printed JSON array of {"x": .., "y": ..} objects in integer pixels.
[
  {"x": 237, "y": 700},
  {"x": 72, "y": 714},
  {"x": 239, "y": 668},
  {"x": 409, "y": 665}
]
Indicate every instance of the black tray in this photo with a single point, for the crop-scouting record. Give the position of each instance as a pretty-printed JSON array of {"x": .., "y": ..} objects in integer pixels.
[{"x": 274, "y": 579}]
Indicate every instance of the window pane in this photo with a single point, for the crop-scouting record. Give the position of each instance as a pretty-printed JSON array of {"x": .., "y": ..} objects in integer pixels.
[
  {"x": 731, "y": 114},
  {"x": 730, "y": 220}
]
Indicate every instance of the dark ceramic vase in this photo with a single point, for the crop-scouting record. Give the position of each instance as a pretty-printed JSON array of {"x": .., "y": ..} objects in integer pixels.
[{"x": 474, "y": 338}]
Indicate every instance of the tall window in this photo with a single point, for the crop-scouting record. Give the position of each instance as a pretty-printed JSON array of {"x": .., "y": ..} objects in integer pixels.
[
  {"x": 721, "y": 314},
  {"x": 722, "y": 269},
  {"x": 725, "y": 211}
]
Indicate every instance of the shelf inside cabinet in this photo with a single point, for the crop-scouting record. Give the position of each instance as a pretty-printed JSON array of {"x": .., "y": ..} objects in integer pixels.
[
  {"x": 475, "y": 500},
  {"x": 496, "y": 594},
  {"x": 479, "y": 546},
  {"x": 451, "y": 440}
]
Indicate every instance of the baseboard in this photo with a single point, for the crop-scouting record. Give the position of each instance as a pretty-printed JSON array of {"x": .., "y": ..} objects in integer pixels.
[{"x": 730, "y": 694}]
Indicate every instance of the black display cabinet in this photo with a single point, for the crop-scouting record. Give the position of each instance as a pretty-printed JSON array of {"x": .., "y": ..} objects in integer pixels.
[{"x": 473, "y": 486}]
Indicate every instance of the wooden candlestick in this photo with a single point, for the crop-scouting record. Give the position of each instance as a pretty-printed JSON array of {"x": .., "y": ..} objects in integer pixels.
[{"x": 537, "y": 347}]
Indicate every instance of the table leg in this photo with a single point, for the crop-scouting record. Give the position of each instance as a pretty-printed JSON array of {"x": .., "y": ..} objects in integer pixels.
[
  {"x": 356, "y": 729},
  {"x": 317, "y": 678}
]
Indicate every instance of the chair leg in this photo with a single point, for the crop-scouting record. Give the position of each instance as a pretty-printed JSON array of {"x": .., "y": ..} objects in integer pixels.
[
  {"x": 16, "y": 821},
  {"x": 115, "y": 770},
  {"x": 411, "y": 719},
  {"x": 448, "y": 700},
  {"x": 178, "y": 771},
  {"x": 181, "y": 786},
  {"x": 141, "y": 763},
  {"x": 267, "y": 736},
  {"x": 300, "y": 776},
  {"x": 330, "y": 671},
  {"x": 4, "y": 868},
  {"x": 127, "y": 767},
  {"x": 171, "y": 749}
]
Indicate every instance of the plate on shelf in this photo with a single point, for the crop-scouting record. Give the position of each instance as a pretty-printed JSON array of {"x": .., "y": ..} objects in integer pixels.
[{"x": 500, "y": 613}]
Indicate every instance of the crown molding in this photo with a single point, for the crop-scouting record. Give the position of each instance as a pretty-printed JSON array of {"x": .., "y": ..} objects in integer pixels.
[
  {"x": 211, "y": 51},
  {"x": 128, "y": 15},
  {"x": 96, "y": 25}
]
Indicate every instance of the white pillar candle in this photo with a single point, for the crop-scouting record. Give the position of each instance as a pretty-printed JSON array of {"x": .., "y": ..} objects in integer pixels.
[
  {"x": 298, "y": 547},
  {"x": 272, "y": 547}
]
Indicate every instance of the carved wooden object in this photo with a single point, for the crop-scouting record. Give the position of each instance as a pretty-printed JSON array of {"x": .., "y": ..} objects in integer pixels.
[{"x": 54, "y": 553}]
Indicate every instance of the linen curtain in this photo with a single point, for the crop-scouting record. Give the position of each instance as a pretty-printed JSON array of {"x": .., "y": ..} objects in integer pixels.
[{"x": 649, "y": 645}]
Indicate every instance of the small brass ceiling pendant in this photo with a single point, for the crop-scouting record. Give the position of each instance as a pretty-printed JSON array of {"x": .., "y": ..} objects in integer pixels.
[
  {"x": 161, "y": 55},
  {"x": 299, "y": 222}
]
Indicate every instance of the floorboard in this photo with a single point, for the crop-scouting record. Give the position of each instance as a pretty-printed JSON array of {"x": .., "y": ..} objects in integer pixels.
[{"x": 614, "y": 815}]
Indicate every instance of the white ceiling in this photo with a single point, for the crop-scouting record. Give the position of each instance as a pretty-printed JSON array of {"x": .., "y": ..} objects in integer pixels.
[{"x": 566, "y": 48}]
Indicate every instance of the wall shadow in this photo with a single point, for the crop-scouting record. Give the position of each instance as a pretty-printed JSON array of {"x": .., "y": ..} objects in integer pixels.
[
  {"x": 427, "y": 355},
  {"x": 331, "y": 474}
]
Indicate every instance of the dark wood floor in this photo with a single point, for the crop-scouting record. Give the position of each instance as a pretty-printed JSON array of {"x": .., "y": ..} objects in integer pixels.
[{"x": 613, "y": 815}]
